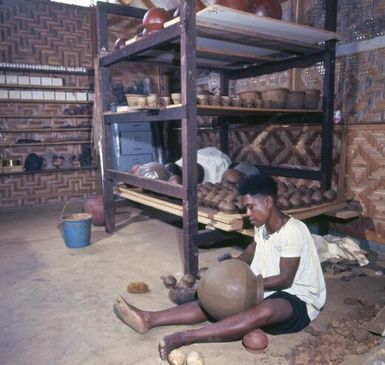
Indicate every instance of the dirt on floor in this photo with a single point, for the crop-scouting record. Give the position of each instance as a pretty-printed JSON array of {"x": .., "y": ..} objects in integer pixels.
[{"x": 342, "y": 339}]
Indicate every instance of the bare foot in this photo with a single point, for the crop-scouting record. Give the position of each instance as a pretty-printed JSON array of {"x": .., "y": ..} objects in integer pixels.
[
  {"x": 131, "y": 316},
  {"x": 172, "y": 342}
]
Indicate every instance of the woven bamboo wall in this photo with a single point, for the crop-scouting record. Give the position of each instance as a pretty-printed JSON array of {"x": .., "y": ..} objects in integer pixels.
[{"x": 45, "y": 33}]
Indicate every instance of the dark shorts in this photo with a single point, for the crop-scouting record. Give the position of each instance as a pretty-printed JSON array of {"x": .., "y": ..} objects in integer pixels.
[{"x": 297, "y": 322}]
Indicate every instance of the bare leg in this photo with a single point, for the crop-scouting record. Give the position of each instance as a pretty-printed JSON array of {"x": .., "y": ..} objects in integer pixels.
[
  {"x": 142, "y": 321},
  {"x": 270, "y": 311}
]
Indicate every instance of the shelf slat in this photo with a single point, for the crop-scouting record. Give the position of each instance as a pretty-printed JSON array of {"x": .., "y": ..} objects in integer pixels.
[
  {"x": 27, "y": 130},
  {"x": 48, "y": 171},
  {"x": 43, "y": 144},
  {"x": 44, "y": 101},
  {"x": 157, "y": 186},
  {"x": 44, "y": 87},
  {"x": 76, "y": 116}
]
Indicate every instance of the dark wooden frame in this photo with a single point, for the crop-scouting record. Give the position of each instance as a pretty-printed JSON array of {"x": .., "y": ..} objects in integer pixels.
[{"x": 186, "y": 31}]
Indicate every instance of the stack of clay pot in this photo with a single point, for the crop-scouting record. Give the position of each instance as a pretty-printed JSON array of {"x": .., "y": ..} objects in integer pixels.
[
  {"x": 290, "y": 196},
  {"x": 223, "y": 196}
]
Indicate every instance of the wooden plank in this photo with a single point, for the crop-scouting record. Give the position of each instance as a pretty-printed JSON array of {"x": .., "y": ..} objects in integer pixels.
[
  {"x": 377, "y": 324},
  {"x": 175, "y": 209},
  {"x": 229, "y": 20},
  {"x": 345, "y": 214},
  {"x": 206, "y": 216}
]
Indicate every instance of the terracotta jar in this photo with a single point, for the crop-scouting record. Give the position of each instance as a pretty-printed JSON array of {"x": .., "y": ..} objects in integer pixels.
[
  {"x": 269, "y": 8},
  {"x": 242, "y": 5},
  {"x": 154, "y": 19},
  {"x": 94, "y": 205}
]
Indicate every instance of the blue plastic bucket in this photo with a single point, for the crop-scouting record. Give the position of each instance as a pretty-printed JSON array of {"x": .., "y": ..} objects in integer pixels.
[{"x": 76, "y": 229}]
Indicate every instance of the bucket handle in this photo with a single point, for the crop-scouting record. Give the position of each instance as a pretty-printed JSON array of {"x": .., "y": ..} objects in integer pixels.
[{"x": 66, "y": 205}]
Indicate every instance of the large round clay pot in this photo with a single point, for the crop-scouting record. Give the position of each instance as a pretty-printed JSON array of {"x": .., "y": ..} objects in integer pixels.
[
  {"x": 228, "y": 288},
  {"x": 94, "y": 205},
  {"x": 154, "y": 19},
  {"x": 242, "y": 5},
  {"x": 269, "y": 8}
]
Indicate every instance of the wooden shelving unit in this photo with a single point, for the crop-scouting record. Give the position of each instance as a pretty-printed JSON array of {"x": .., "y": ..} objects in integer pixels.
[
  {"x": 239, "y": 45},
  {"x": 44, "y": 143}
]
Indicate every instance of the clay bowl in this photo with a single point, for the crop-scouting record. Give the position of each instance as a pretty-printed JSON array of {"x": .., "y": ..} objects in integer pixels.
[
  {"x": 269, "y": 8},
  {"x": 242, "y": 5},
  {"x": 250, "y": 95},
  {"x": 154, "y": 19},
  {"x": 312, "y": 98},
  {"x": 132, "y": 99}
]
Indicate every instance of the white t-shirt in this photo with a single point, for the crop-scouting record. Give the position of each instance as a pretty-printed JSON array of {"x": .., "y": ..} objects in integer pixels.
[{"x": 292, "y": 240}]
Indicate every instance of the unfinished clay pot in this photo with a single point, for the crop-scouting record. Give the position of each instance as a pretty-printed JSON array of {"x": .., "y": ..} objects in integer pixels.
[
  {"x": 229, "y": 287},
  {"x": 233, "y": 176}
]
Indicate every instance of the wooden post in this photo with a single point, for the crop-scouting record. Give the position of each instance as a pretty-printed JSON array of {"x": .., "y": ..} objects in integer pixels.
[{"x": 189, "y": 136}]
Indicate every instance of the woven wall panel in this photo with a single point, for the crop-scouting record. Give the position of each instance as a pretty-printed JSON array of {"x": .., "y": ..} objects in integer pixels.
[
  {"x": 44, "y": 32},
  {"x": 44, "y": 188},
  {"x": 49, "y": 33}
]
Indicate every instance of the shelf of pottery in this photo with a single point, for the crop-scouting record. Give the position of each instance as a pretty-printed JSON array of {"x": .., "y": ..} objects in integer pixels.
[{"x": 45, "y": 123}]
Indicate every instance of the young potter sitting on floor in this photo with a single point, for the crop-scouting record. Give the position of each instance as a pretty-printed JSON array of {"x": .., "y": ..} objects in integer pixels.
[{"x": 286, "y": 256}]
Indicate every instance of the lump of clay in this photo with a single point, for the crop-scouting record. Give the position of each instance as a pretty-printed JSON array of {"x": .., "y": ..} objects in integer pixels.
[
  {"x": 176, "y": 357},
  {"x": 138, "y": 287},
  {"x": 229, "y": 287},
  {"x": 195, "y": 358}
]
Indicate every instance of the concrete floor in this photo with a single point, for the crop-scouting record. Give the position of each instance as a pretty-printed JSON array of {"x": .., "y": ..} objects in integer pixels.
[{"x": 56, "y": 303}]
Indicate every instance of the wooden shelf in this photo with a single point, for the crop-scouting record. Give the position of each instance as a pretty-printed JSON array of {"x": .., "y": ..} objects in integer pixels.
[
  {"x": 49, "y": 171},
  {"x": 76, "y": 116},
  {"x": 175, "y": 112},
  {"x": 27, "y": 130},
  {"x": 44, "y": 101},
  {"x": 228, "y": 39},
  {"x": 43, "y": 144},
  {"x": 44, "y": 87}
]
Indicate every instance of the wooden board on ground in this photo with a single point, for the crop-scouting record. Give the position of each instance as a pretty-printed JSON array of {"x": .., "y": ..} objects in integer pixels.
[{"x": 377, "y": 324}]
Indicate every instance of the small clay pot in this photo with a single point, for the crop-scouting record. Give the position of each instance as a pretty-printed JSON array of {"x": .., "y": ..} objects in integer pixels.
[
  {"x": 227, "y": 208},
  {"x": 317, "y": 197},
  {"x": 297, "y": 195},
  {"x": 306, "y": 200},
  {"x": 169, "y": 281},
  {"x": 330, "y": 195},
  {"x": 295, "y": 202},
  {"x": 283, "y": 203},
  {"x": 94, "y": 205},
  {"x": 154, "y": 19}
]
